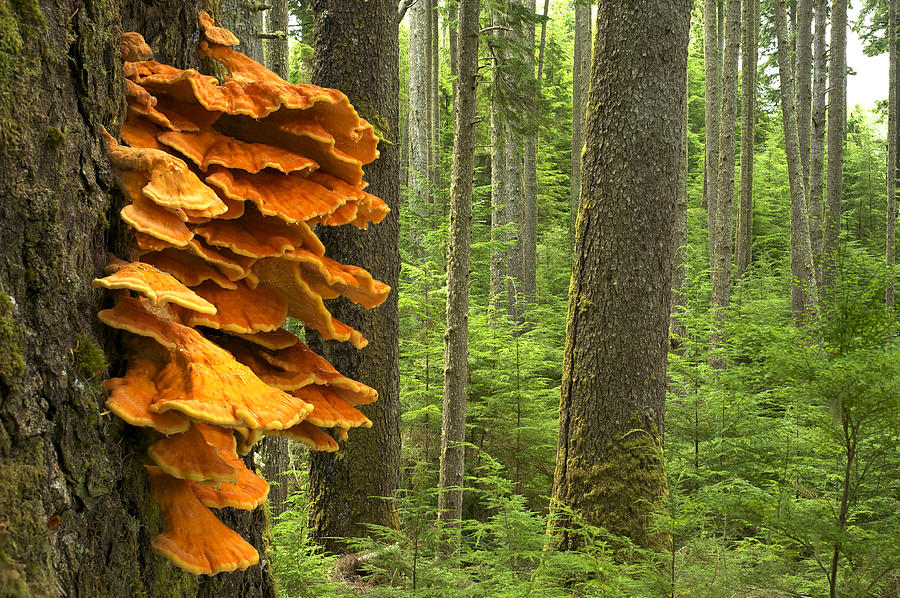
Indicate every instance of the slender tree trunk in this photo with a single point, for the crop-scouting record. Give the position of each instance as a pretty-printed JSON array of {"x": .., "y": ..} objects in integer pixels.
[
  {"x": 434, "y": 92},
  {"x": 245, "y": 19},
  {"x": 513, "y": 203},
  {"x": 680, "y": 239},
  {"x": 893, "y": 155},
  {"x": 345, "y": 487},
  {"x": 804, "y": 297},
  {"x": 609, "y": 466},
  {"x": 803, "y": 76},
  {"x": 498, "y": 184},
  {"x": 817, "y": 144},
  {"x": 749, "y": 57},
  {"x": 75, "y": 507},
  {"x": 454, "y": 17},
  {"x": 529, "y": 204},
  {"x": 418, "y": 120},
  {"x": 277, "y": 50},
  {"x": 456, "y": 337},
  {"x": 721, "y": 280},
  {"x": 713, "y": 69},
  {"x": 837, "y": 120},
  {"x": 581, "y": 66}
]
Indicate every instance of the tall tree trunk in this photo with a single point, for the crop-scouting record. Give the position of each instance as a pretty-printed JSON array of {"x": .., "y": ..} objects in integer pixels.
[
  {"x": 893, "y": 161},
  {"x": 456, "y": 337},
  {"x": 513, "y": 179},
  {"x": 529, "y": 203},
  {"x": 721, "y": 276},
  {"x": 609, "y": 466},
  {"x": 817, "y": 143},
  {"x": 434, "y": 102},
  {"x": 680, "y": 239},
  {"x": 837, "y": 122},
  {"x": 804, "y": 297},
  {"x": 75, "y": 506},
  {"x": 245, "y": 19},
  {"x": 453, "y": 16},
  {"x": 274, "y": 450},
  {"x": 277, "y": 50},
  {"x": 345, "y": 487},
  {"x": 712, "y": 61},
  {"x": 418, "y": 119},
  {"x": 581, "y": 67},
  {"x": 803, "y": 76},
  {"x": 498, "y": 182},
  {"x": 749, "y": 57}
]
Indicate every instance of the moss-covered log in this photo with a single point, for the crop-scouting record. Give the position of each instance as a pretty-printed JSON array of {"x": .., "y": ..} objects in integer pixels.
[{"x": 76, "y": 516}]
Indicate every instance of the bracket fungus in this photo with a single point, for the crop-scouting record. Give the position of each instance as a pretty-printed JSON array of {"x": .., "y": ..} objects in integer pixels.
[{"x": 224, "y": 183}]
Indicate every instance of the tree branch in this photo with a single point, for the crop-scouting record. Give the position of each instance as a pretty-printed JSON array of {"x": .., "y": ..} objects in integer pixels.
[{"x": 402, "y": 7}]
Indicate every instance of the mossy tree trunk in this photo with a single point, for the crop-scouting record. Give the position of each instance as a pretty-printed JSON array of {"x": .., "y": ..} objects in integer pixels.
[
  {"x": 581, "y": 71},
  {"x": 75, "y": 508},
  {"x": 609, "y": 467},
  {"x": 712, "y": 60},
  {"x": 749, "y": 57},
  {"x": 837, "y": 124},
  {"x": 817, "y": 141},
  {"x": 357, "y": 51},
  {"x": 456, "y": 337}
]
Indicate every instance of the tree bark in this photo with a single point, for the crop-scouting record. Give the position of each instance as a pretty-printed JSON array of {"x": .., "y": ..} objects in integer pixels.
[
  {"x": 75, "y": 506},
  {"x": 581, "y": 67},
  {"x": 529, "y": 196},
  {"x": 513, "y": 204},
  {"x": 837, "y": 122},
  {"x": 498, "y": 183},
  {"x": 345, "y": 487},
  {"x": 712, "y": 61},
  {"x": 245, "y": 19},
  {"x": 721, "y": 275},
  {"x": 277, "y": 51},
  {"x": 434, "y": 103},
  {"x": 418, "y": 118},
  {"x": 803, "y": 76},
  {"x": 609, "y": 466},
  {"x": 679, "y": 274},
  {"x": 749, "y": 57},
  {"x": 817, "y": 143},
  {"x": 893, "y": 160},
  {"x": 804, "y": 297},
  {"x": 456, "y": 337}
]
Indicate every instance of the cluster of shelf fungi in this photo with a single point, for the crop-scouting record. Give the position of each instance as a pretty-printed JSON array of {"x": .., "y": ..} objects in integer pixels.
[{"x": 224, "y": 182}]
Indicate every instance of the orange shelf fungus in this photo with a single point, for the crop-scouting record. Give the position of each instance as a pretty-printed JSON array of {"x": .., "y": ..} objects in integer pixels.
[
  {"x": 193, "y": 538},
  {"x": 224, "y": 183}
]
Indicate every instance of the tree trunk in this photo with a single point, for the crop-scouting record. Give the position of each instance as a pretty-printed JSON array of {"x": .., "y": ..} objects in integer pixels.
[
  {"x": 75, "y": 505},
  {"x": 609, "y": 467},
  {"x": 721, "y": 275},
  {"x": 277, "y": 51},
  {"x": 498, "y": 182},
  {"x": 513, "y": 179},
  {"x": 434, "y": 103},
  {"x": 245, "y": 19},
  {"x": 712, "y": 61},
  {"x": 837, "y": 121},
  {"x": 679, "y": 274},
  {"x": 418, "y": 119},
  {"x": 529, "y": 199},
  {"x": 817, "y": 143},
  {"x": 893, "y": 161},
  {"x": 749, "y": 57},
  {"x": 581, "y": 71},
  {"x": 456, "y": 337},
  {"x": 345, "y": 486},
  {"x": 803, "y": 76},
  {"x": 804, "y": 298}
]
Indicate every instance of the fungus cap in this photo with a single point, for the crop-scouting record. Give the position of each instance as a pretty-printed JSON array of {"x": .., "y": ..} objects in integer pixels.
[{"x": 193, "y": 538}]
